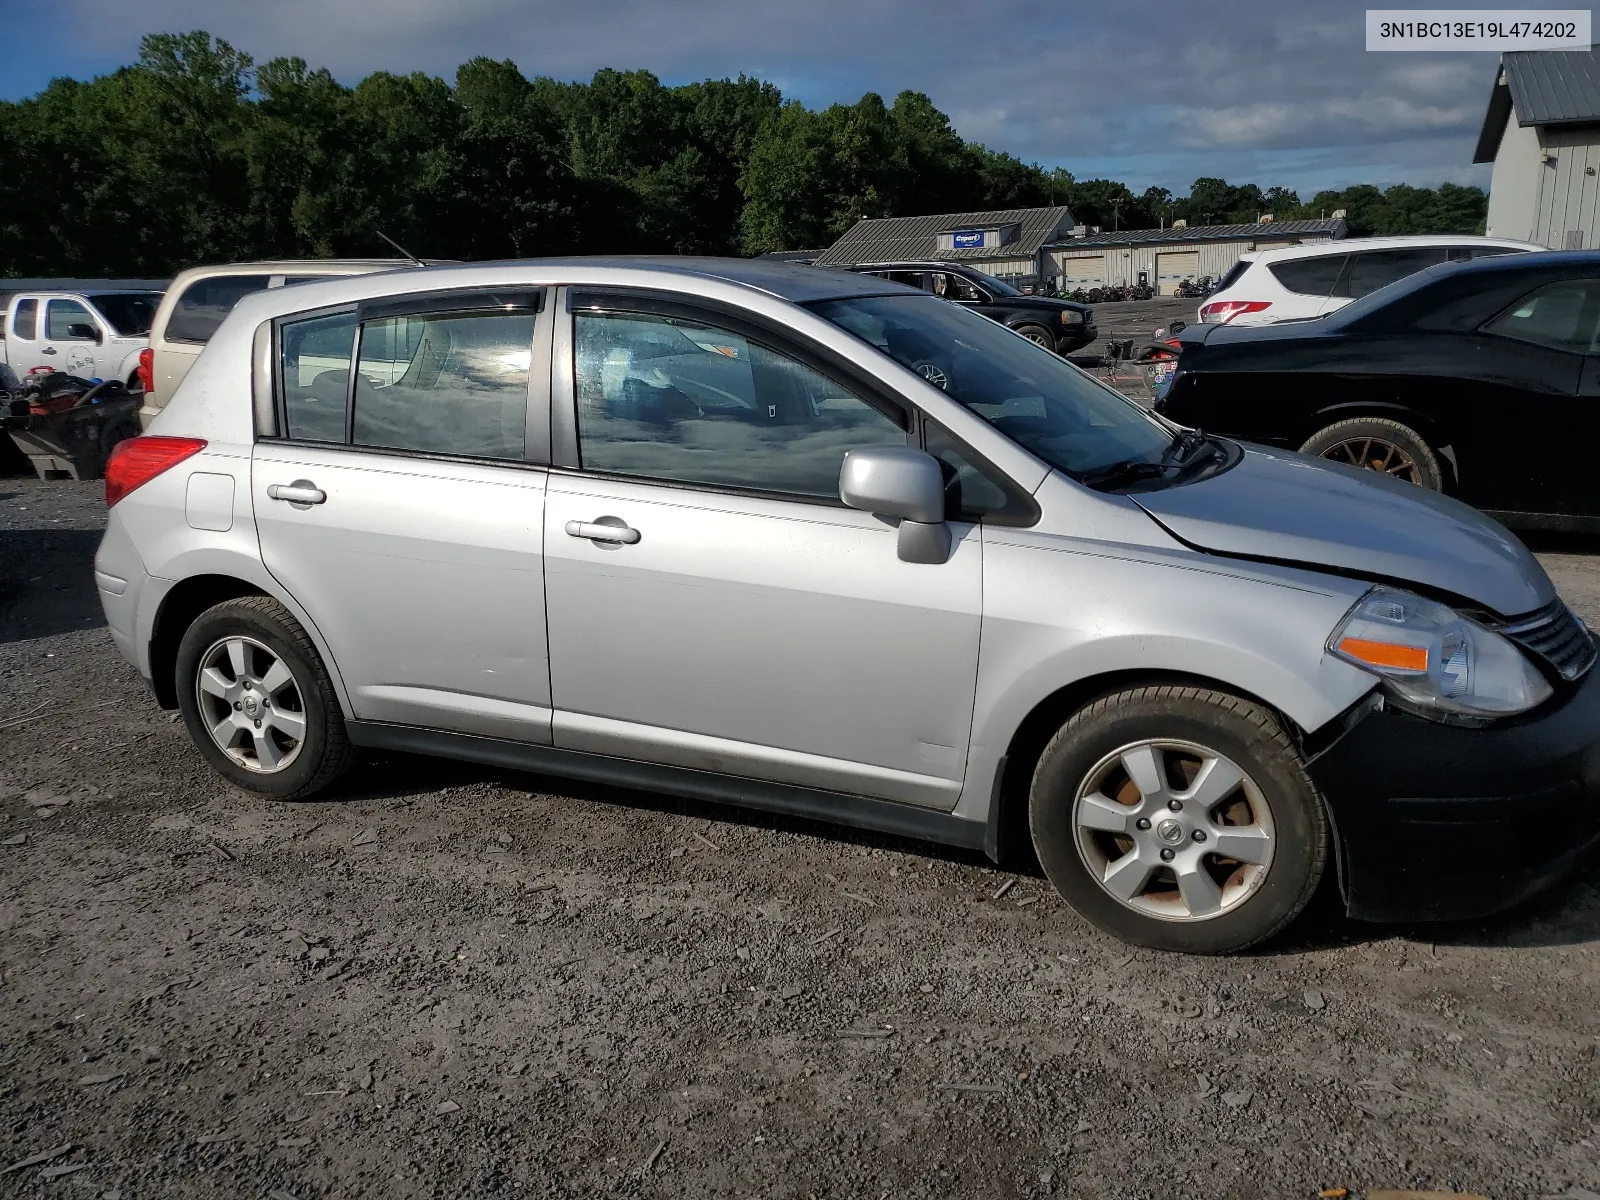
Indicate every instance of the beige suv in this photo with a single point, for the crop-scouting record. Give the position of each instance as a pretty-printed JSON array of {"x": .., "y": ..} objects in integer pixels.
[{"x": 201, "y": 297}]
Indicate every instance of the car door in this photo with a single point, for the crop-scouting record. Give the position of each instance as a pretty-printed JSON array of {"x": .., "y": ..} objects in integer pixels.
[
  {"x": 712, "y": 604},
  {"x": 72, "y": 338},
  {"x": 24, "y": 347},
  {"x": 402, "y": 504},
  {"x": 1537, "y": 366}
]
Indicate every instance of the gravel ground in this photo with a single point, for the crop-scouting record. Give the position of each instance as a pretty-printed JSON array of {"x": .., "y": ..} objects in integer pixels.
[{"x": 453, "y": 981}]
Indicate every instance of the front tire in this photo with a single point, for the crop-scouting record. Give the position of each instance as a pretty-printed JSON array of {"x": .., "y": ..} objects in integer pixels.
[
  {"x": 1378, "y": 444},
  {"x": 1038, "y": 335},
  {"x": 1179, "y": 818},
  {"x": 258, "y": 702}
]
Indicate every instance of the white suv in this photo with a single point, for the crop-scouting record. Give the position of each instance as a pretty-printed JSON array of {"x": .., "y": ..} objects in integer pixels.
[{"x": 1298, "y": 283}]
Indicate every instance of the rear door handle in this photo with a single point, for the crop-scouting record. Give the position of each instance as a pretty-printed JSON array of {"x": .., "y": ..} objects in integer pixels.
[
  {"x": 606, "y": 529},
  {"x": 302, "y": 492},
  {"x": 48, "y": 350}
]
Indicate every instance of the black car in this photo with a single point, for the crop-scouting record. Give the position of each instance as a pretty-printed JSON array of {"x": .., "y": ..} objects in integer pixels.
[
  {"x": 1481, "y": 379},
  {"x": 1059, "y": 325}
]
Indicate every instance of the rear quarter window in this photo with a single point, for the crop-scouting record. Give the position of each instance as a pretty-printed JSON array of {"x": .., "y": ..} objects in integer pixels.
[
  {"x": 206, "y": 302},
  {"x": 1309, "y": 276},
  {"x": 1235, "y": 273}
]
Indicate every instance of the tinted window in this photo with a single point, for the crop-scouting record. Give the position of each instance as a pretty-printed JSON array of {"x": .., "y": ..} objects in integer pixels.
[
  {"x": 677, "y": 399},
  {"x": 61, "y": 316},
  {"x": 314, "y": 368},
  {"x": 1559, "y": 315},
  {"x": 909, "y": 278},
  {"x": 1035, "y": 398},
  {"x": 24, "y": 323},
  {"x": 1366, "y": 272},
  {"x": 1235, "y": 273},
  {"x": 129, "y": 315},
  {"x": 205, "y": 303},
  {"x": 1307, "y": 276},
  {"x": 953, "y": 287},
  {"x": 445, "y": 384}
]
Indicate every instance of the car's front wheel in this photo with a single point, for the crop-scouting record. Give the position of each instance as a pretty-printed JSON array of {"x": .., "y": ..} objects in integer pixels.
[
  {"x": 1379, "y": 444},
  {"x": 258, "y": 702},
  {"x": 1038, "y": 335},
  {"x": 1179, "y": 818}
]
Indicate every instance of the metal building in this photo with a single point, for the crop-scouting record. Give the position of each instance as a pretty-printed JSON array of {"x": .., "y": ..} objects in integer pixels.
[
  {"x": 1544, "y": 186},
  {"x": 1004, "y": 243},
  {"x": 1166, "y": 257}
]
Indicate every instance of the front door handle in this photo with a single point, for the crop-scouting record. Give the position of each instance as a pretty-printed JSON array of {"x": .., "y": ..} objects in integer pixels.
[
  {"x": 606, "y": 529},
  {"x": 302, "y": 493},
  {"x": 48, "y": 350}
]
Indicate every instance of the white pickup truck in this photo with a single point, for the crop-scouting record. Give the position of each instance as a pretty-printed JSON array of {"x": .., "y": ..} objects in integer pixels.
[{"x": 93, "y": 335}]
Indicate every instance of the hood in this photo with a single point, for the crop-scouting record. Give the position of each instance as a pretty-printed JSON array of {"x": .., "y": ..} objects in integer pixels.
[
  {"x": 1042, "y": 303},
  {"x": 1291, "y": 508}
]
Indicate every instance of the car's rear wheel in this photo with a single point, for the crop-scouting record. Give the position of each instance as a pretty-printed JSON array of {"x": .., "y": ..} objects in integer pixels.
[
  {"x": 258, "y": 702},
  {"x": 1038, "y": 335},
  {"x": 1179, "y": 818},
  {"x": 1378, "y": 444}
]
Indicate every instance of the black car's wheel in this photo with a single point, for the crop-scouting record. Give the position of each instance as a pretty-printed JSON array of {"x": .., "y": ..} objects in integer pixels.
[
  {"x": 1179, "y": 818},
  {"x": 1377, "y": 444},
  {"x": 1038, "y": 335},
  {"x": 258, "y": 702}
]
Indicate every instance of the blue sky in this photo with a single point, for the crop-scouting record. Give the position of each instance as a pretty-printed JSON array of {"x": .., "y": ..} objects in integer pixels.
[{"x": 1146, "y": 91}]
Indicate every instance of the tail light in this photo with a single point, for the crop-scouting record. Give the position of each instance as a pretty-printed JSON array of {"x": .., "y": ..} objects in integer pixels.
[
  {"x": 1220, "y": 312},
  {"x": 147, "y": 369},
  {"x": 138, "y": 460}
]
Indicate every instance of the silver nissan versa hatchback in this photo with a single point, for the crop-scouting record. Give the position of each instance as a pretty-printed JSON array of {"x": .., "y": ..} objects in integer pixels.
[{"x": 813, "y": 542}]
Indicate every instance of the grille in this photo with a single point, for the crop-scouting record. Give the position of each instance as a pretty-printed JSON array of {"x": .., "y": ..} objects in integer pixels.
[{"x": 1556, "y": 635}]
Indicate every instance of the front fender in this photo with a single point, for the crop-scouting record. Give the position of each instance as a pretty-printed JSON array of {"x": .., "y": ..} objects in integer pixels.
[{"x": 1059, "y": 612}]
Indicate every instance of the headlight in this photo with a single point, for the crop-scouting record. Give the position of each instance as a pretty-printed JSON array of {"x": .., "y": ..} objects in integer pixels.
[
  {"x": 1436, "y": 660},
  {"x": 1071, "y": 316}
]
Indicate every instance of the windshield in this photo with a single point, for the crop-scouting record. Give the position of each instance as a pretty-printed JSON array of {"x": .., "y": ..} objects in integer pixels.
[
  {"x": 130, "y": 313},
  {"x": 1026, "y": 392}
]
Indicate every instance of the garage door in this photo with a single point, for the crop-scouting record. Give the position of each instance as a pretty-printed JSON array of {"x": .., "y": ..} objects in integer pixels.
[
  {"x": 1083, "y": 272},
  {"x": 1173, "y": 267}
]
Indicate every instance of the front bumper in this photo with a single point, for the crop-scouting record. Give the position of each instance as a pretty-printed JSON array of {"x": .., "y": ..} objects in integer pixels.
[
  {"x": 1440, "y": 822},
  {"x": 1075, "y": 337}
]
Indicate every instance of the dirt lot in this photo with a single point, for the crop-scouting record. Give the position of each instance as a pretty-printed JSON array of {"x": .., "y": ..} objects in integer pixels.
[{"x": 451, "y": 981}]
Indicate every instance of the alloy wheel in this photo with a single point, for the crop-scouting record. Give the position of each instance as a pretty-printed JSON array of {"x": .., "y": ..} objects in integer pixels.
[
  {"x": 251, "y": 704},
  {"x": 1375, "y": 454},
  {"x": 1173, "y": 830}
]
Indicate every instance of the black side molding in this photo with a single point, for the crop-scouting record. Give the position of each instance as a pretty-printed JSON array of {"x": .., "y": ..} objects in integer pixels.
[{"x": 840, "y": 808}]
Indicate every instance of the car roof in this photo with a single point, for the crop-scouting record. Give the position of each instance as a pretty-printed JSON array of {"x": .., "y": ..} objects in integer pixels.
[
  {"x": 900, "y": 264},
  {"x": 1397, "y": 242}
]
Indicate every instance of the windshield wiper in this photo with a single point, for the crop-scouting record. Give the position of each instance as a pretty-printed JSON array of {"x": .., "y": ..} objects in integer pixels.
[
  {"x": 1127, "y": 471},
  {"x": 1185, "y": 444}
]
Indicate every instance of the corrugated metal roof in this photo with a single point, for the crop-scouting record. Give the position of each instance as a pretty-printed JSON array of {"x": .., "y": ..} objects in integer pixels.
[
  {"x": 1543, "y": 87},
  {"x": 893, "y": 239},
  {"x": 1333, "y": 227}
]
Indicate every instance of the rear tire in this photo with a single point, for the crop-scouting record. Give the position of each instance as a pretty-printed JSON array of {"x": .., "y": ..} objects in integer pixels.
[
  {"x": 1235, "y": 842},
  {"x": 258, "y": 702},
  {"x": 1378, "y": 444}
]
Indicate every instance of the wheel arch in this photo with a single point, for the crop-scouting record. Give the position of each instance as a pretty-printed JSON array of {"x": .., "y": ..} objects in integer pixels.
[
  {"x": 1008, "y": 841},
  {"x": 1431, "y": 429},
  {"x": 185, "y": 601}
]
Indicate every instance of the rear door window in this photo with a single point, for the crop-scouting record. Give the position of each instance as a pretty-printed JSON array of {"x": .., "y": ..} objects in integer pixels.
[
  {"x": 206, "y": 302},
  {"x": 1561, "y": 316},
  {"x": 25, "y": 321},
  {"x": 1369, "y": 270},
  {"x": 445, "y": 384},
  {"x": 1304, "y": 276}
]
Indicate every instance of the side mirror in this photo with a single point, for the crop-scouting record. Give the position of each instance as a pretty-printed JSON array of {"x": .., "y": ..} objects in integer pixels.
[
  {"x": 83, "y": 333},
  {"x": 903, "y": 482}
]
